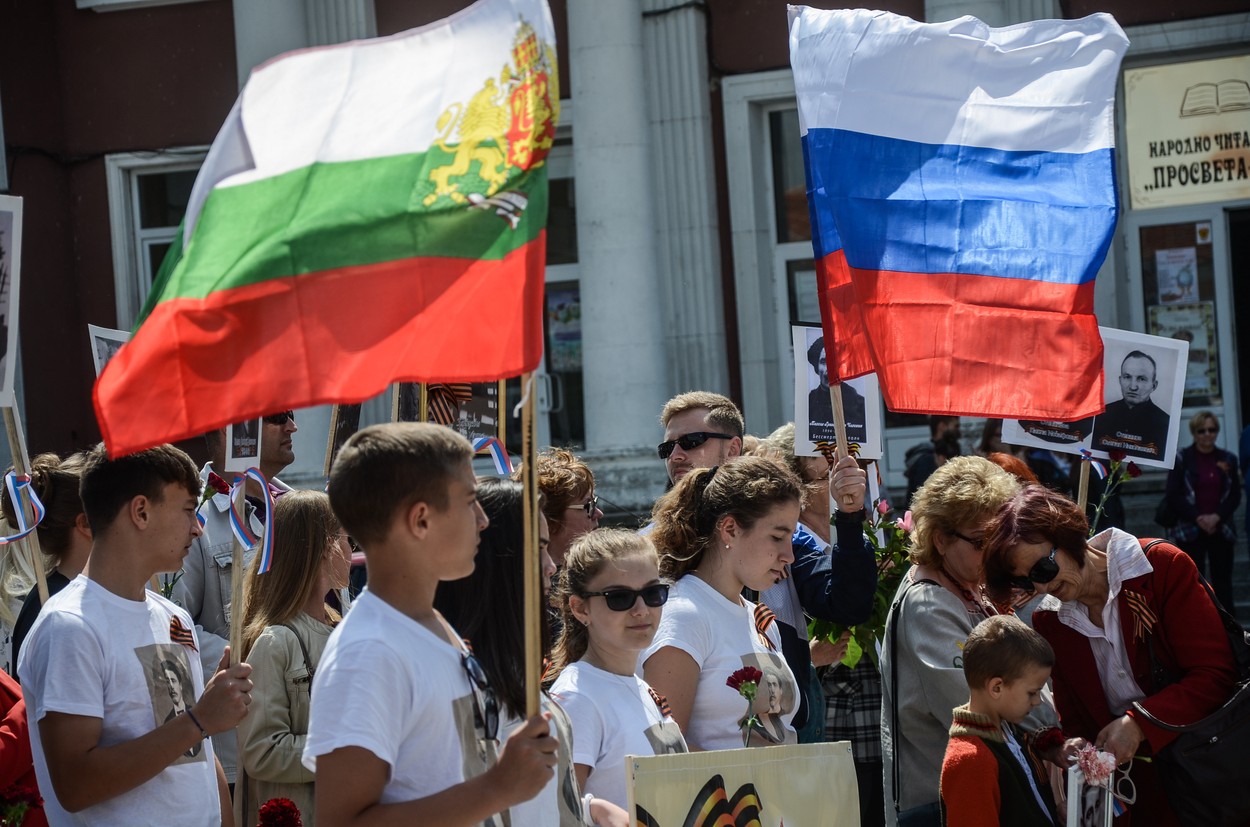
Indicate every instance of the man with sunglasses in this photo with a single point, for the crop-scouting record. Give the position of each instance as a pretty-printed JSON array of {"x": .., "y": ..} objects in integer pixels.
[
  {"x": 203, "y": 587},
  {"x": 701, "y": 430},
  {"x": 1134, "y": 424}
]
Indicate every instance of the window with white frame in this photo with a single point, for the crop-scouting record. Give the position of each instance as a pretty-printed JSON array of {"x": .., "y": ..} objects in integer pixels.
[{"x": 148, "y": 194}]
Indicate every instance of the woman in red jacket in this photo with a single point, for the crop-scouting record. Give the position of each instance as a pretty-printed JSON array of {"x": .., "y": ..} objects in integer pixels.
[{"x": 1111, "y": 601}]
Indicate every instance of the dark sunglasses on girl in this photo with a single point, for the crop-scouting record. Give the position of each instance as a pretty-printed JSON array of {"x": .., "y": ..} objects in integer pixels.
[
  {"x": 1043, "y": 571},
  {"x": 687, "y": 442},
  {"x": 622, "y": 600}
]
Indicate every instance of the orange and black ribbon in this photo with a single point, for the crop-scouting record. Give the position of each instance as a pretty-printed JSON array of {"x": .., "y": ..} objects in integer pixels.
[
  {"x": 181, "y": 634},
  {"x": 764, "y": 618},
  {"x": 444, "y": 400},
  {"x": 1144, "y": 618}
]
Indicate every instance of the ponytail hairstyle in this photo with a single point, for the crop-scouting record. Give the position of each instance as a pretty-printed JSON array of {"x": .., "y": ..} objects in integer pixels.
[
  {"x": 687, "y": 517},
  {"x": 587, "y": 557},
  {"x": 55, "y": 481}
]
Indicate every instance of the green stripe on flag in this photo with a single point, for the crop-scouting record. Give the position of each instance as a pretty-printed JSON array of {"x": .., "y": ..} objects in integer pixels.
[{"x": 329, "y": 216}]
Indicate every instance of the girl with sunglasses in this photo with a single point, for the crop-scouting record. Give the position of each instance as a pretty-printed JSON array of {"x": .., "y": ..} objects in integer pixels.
[
  {"x": 1113, "y": 600},
  {"x": 569, "y": 501},
  {"x": 487, "y": 609},
  {"x": 610, "y": 599},
  {"x": 721, "y": 530}
]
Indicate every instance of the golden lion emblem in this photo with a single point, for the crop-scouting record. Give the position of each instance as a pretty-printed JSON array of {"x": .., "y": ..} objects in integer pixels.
[{"x": 507, "y": 127}]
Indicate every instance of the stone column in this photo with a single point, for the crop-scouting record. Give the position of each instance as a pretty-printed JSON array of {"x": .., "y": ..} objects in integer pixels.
[
  {"x": 624, "y": 363},
  {"x": 676, "y": 68}
]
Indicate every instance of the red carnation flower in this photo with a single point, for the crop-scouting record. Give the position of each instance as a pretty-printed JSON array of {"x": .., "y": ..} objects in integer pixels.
[
  {"x": 217, "y": 483},
  {"x": 1132, "y": 470},
  {"x": 279, "y": 812},
  {"x": 747, "y": 674},
  {"x": 1116, "y": 454}
]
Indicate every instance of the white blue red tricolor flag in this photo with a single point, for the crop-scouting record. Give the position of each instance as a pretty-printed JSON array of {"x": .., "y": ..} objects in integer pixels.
[{"x": 961, "y": 183}]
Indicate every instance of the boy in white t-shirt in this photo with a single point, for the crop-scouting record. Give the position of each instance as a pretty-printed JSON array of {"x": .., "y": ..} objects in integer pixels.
[
  {"x": 111, "y": 671},
  {"x": 400, "y": 709}
]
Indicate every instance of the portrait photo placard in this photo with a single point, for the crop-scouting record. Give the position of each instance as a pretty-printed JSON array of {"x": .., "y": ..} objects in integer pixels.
[
  {"x": 1144, "y": 387},
  {"x": 10, "y": 281},
  {"x": 104, "y": 344},
  {"x": 242, "y": 446},
  {"x": 813, "y": 404}
]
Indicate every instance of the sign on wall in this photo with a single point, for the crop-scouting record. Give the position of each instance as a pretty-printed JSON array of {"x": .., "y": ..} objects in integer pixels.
[{"x": 1187, "y": 132}]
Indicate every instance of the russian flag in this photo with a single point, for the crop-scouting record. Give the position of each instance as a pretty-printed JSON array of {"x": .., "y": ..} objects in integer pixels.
[{"x": 961, "y": 183}]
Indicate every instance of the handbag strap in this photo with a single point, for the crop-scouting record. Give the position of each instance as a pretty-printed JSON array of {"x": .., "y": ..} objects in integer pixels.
[
  {"x": 303, "y": 649},
  {"x": 895, "y": 611}
]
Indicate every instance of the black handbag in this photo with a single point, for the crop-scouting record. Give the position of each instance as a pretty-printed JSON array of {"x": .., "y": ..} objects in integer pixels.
[
  {"x": 1202, "y": 770},
  {"x": 1164, "y": 515}
]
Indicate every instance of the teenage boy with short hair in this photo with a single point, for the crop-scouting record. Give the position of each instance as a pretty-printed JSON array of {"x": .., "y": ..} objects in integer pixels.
[
  {"x": 111, "y": 671},
  {"x": 399, "y": 706},
  {"x": 987, "y": 778}
]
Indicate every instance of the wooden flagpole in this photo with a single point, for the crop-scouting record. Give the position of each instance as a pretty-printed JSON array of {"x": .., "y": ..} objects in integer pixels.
[
  {"x": 843, "y": 448},
  {"x": 533, "y": 587},
  {"x": 29, "y": 545},
  {"x": 1082, "y": 492},
  {"x": 239, "y": 504}
]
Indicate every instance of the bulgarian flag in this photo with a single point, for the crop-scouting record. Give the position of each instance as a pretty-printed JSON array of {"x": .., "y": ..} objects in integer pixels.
[{"x": 369, "y": 213}]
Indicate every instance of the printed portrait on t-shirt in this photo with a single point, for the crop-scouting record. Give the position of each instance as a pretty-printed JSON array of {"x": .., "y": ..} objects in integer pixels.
[
  {"x": 477, "y": 754},
  {"x": 168, "y": 674},
  {"x": 774, "y": 698},
  {"x": 665, "y": 738}
]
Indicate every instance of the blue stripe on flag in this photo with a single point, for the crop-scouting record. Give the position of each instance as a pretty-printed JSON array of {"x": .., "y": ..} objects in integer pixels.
[{"x": 904, "y": 206}]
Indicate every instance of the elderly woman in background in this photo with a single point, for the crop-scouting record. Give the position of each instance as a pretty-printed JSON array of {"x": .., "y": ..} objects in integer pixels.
[
  {"x": 569, "y": 501},
  {"x": 1112, "y": 600},
  {"x": 1204, "y": 489},
  {"x": 938, "y": 604}
]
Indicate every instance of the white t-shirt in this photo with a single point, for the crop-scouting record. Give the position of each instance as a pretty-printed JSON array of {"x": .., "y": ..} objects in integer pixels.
[
  {"x": 560, "y": 802},
  {"x": 97, "y": 654},
  {"x": 389, "y": 685},
  {"x": 721, "y": 637},
  {"x": 613, "y": 716}
]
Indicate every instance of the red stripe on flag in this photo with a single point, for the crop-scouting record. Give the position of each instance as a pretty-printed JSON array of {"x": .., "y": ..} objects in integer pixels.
[
  {"x": 847, "y": 350},
  {"x": 982, "y": 345},
  {"x": 333, "y": 336}
]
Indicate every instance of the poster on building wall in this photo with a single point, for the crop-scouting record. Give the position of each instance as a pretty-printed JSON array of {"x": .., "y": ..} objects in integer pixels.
[
  {"x": 1195, "y": 324},
  {"x": 10, "y": 279},
  {"x": 105, "y": 342},
  {"x": 813, "y": 404},
  {"x": 1187, "y": 132},
  {"x": 1144, "y": 383}
]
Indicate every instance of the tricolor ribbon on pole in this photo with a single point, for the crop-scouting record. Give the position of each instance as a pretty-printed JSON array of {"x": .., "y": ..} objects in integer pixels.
[
  {"x": 243, "y": 532},
  {"x": 1098, "y": 468},
  {"x": 16, "y": 484},
  {"x": 491, "y": 445}
]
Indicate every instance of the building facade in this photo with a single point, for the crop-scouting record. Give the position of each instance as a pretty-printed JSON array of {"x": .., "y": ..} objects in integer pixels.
[{"x": 679, "y": 248}]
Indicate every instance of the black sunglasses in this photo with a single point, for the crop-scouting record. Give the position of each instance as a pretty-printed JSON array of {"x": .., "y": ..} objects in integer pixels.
[
  {"x": 1207, "y": 431},
  {"x": 1043, "y": 571},
  {"x": 490, "y": 713},
  {"x": 622, "y": 600},
  {"x": 687, "y": 442},
  {"x": 280, "y": 418},
  {"x": 589, "y": 506}
]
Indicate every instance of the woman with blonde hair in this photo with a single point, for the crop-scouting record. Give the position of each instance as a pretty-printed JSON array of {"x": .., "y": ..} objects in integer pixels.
[
  {"x": 610, "y": 598},
  {"x": 718, "y": 531},
  {"x": 938, "y": 603},
  {"x": 285, "y": 629},
  {"x": 64, "y": 538}
]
